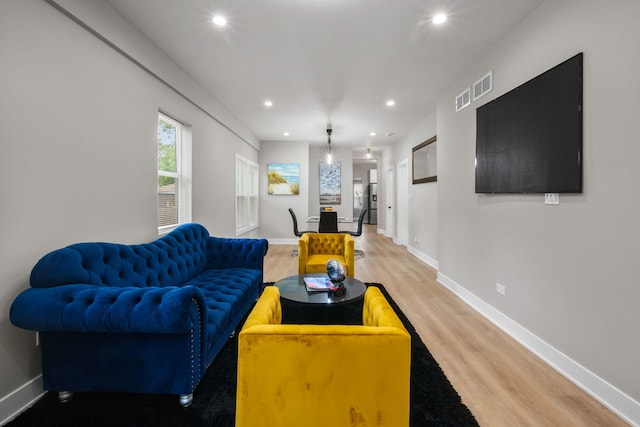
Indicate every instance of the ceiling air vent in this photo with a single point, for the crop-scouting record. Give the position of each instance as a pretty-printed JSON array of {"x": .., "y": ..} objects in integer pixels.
[
  {"x": 463, "y": 99},
  {"x": 482, "y": 86}
]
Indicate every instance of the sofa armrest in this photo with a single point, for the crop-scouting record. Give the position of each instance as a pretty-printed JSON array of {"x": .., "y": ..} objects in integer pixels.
[
  {"x": 267, "y": 310},
  {"x": 376, "y": 311},
  {"x": 88, "y": 308},
  {"x": 236, "y": 252},
  {"x": 349, "y": 254},
  {"x": 303, "y": 252}
]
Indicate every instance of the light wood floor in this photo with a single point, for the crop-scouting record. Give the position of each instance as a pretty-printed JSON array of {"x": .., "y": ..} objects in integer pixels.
[{"x": 501, "y": 382}]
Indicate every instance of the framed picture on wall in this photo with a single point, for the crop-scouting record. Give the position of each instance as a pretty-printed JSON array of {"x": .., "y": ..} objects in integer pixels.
[
  {"x": 284, "y": 178},
  {"x": 424, "y": 165},
  {"x": 330, "y": 176}
]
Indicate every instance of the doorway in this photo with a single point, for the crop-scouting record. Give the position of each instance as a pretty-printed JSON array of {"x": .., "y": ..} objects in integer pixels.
[
  {"x": 403, "y": 202},
  {"x": 390, "y": 200},
  {"x": 364, "y": 174},
  {"x": 358, "y": 197}
]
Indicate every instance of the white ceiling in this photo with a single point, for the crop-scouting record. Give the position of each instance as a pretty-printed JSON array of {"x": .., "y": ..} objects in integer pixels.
[{"x": 323, "y": 61}]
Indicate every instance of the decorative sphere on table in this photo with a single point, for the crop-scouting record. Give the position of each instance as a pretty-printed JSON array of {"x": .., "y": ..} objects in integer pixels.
[{"x": 335, "y": 271}]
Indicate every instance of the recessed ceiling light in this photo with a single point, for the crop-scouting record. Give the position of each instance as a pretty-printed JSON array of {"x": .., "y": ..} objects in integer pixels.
[
  {"x": 286, "y": 133},
  {"x": 439, "y": 18},
  {"x": 219, "y": 20},
  {"x": 372, "y": 134},
  {"x": 268, "y": 103},
  {"x": 391, "y": 103}
]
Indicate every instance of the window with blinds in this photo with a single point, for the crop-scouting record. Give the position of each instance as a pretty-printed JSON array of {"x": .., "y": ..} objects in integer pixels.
[
  {"x": 246, "y": 195},
  {"x": 171, "y": 209}
]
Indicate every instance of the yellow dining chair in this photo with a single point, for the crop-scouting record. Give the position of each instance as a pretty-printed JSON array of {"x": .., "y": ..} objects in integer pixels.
[
  {"x": 323, "y": 375},
  {"x": 315, "y": 249}
]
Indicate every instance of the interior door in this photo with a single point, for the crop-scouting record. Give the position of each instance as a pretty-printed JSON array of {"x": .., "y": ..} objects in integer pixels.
[
  {"x": 390, "y": 223},
  {"x": 403, "y": 202}
]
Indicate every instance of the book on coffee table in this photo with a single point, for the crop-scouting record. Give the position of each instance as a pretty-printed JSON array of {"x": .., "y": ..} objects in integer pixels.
[{"x": 317, "y": 284}]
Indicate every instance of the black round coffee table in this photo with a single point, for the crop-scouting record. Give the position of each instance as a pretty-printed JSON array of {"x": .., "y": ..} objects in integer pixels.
[
  {"x": 292, "y": 288},
  {"x": 302, "y": 306}
]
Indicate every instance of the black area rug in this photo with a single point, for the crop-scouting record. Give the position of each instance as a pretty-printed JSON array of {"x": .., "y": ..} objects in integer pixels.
[{"x": 434, "y": 402}]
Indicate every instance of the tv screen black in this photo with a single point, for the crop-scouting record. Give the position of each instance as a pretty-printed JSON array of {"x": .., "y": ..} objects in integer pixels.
[{"x": 529, "y": 140}]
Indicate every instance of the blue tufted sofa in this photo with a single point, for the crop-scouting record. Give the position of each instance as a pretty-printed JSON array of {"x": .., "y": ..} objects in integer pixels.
[{"x": 146, "y": 318}]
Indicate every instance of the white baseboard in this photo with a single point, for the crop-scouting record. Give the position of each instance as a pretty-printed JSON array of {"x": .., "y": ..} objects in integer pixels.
[
  {"x": 293, "y": 241},
  {"x": 617, "y": 401},
  {"x": 18, "y": 400},
  {"x": 424, "y": 257}
]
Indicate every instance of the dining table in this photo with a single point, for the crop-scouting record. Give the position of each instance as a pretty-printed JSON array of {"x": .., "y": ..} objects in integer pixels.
[
  {"x": 315, "y": 219},
  {"x": 330, "y": 225}
]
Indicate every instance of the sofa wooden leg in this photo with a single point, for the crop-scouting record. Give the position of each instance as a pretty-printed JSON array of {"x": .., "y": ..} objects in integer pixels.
[
  {"x": 64, "y": 396},
  {"x": 186, "y": 399}
]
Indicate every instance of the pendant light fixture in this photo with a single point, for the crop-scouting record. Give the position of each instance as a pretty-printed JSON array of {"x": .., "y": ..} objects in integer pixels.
[{"x": 329, "y": 154}]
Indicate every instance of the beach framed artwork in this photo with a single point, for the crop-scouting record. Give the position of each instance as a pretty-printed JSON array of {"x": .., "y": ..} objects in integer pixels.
[
  {"x": 330, "y": 176},
  {"x": 284, "y": 179}
]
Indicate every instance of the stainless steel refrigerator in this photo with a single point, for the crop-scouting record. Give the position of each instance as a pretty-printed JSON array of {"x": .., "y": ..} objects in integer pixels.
[{"x": 373, "y": 203}]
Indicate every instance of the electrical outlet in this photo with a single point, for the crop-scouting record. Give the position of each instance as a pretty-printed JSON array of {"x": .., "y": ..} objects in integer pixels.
[
  {"x": 552, "y": 198},
  {"x": 501, "y": 289}
]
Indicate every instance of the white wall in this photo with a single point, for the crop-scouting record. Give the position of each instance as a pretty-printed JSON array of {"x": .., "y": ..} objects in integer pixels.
[
  {"x": 275, "y": 221},
  {"x": 101, "y": 18},
  {"x": 343, "y": 156},
  {"x": 423, "y": 201},
  {"x": 570, "y": 270},
  {"x": 214, "y": 157},
  {"x": 78, "y": 126}
]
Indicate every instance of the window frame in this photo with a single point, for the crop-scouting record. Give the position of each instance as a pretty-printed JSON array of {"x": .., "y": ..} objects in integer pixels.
[
  {"x": 246, "y": 195},
  {"x": 181, "y": 174}
]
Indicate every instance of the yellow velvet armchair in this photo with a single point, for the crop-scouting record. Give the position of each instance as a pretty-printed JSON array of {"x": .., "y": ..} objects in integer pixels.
[
  {"x": 315, "y": 249},
  {"x": 323, "y": 375}
]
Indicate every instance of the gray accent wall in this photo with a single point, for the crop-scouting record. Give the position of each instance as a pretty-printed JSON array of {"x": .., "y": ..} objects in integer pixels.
[
  {"x": 78, "y": 130},
  {"x": 423, "y": 198},
  {"x": 342, "y": 155},
  {"x": 571, "y": 270},
  {"x": 275, "y": 221}
]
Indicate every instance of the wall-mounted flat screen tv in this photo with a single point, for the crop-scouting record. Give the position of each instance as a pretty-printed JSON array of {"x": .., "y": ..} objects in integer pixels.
[{"x": 529, "y": 140}]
